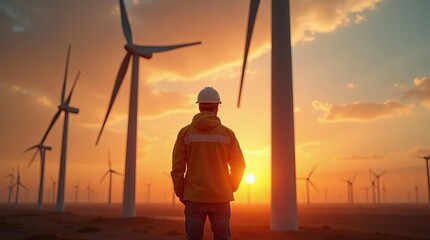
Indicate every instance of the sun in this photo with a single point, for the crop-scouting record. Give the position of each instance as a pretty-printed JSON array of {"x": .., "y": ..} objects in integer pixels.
[{"x": 250, "y": 178}]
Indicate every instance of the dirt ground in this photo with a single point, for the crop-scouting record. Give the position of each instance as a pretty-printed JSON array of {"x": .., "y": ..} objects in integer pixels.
[{"x": 249, "y": 222}]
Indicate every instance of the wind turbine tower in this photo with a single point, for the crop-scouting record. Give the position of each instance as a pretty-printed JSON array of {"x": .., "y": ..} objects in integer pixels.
[
  {"x": 129, "y": 196},
  {"x": 42, "y": 150},
  {"x": 66, "y": 108},
  {"x": 284, "y": 199}
]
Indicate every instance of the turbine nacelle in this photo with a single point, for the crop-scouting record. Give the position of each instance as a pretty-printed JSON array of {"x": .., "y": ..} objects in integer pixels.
[
  {"x": 69, "y": 109},
  {"x": 136, "y": 50}
]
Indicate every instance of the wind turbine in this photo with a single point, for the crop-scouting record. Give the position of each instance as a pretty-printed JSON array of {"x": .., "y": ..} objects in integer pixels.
[
  {"x": 66, "y": 108},
  {"x": 308, "y": 181},
  {"x": 349, "y": 187},
  {"x": 17, "y": 185},
  {"x": 42, "y": 150},
  {"x": 76, "y": 187},
  {"x": 109, "y": 172},
  {"x": 10, "y": 187},
  {"x": 426, "y": 158},
  {"x": 173, "y": 189},
  {"x": 88, "y": 190},
  {"x": 416, "y": 192},
  {"x": 54, "y": 183},
  {"x": 366, "y": 191},
  {"x": 137, "y": 51},
  {"x": 372, "y": 183},
  {"x": 378, "y": 189},
  {"x": 284, "y": 199},
  {"x": 148, "y": 189}
]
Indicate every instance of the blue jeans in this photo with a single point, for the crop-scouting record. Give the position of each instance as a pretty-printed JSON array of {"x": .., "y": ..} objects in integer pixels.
[{"x": 219, "y": 216}]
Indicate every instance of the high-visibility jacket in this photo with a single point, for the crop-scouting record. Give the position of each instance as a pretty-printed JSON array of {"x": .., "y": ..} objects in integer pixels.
[{"x": 207, "y": 162}]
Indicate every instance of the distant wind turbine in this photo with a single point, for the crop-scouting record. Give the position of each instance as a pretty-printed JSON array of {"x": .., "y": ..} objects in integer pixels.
[
  {"x": 378, "y": 189},
  {"x": 426, "y": 158},
  {"x": 17, "y": 185},
  {"x": 173, "y": 189},
  {"x": 54, "y": 183},
  {"x": 308, "y": 181},
  {"x": 349, "y": 187},
  {"x": 89, "y": 190},
  {"x": 66, "y": 108},
  {"x": 417, "y": 200},
  {"x": 284, "y": 199},
  {"x": 76, "y": 187},
  {"x": 11, "y": 176},
  {"x": 42, "y": 150},
  {"x": 109, "y": 172},
  {"x": 373, "y": 186},
  {"x": 148, "y": 186},
  {"x": 137, "y": 51}
]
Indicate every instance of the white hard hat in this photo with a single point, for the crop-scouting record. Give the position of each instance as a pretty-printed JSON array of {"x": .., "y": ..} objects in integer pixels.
[{"x": 208, "y": 95}]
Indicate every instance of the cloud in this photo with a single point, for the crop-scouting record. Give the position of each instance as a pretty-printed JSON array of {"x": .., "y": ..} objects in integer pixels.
[
  {"x": 359, "y": 157},
  {"x": 39, "y": 98},
  {"x": 421, "y": 91},
  {"x": 419, "y": 151},
  {"x": 310, "y": 18},
  {"x": 361, "y": 111}
]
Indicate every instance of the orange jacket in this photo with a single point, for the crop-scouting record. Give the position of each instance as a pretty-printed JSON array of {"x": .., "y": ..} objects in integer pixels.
[{"x": 203, "y": 153}]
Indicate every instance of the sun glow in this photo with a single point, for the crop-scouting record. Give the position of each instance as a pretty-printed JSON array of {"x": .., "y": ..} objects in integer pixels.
[{"x": 250, "y": 178}]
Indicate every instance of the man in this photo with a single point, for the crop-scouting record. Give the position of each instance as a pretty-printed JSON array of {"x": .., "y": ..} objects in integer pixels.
[{"x": 203, "y": 153}]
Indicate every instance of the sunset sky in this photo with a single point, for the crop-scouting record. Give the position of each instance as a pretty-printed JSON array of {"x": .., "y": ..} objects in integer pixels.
[{"x": 361, "y": 90}]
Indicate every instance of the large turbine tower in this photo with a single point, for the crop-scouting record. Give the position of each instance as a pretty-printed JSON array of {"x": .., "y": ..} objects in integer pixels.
[
  {"x": 66, "y": 108},
  {"x": 135, "y": 51},
  {"x": 42, "y": 150},
  {"x": 284, "y": 200}
]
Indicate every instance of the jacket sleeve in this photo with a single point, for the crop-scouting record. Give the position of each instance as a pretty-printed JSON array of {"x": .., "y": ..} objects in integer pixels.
[
  {"x": 179, "y": 161},
  {"x": 237, "y": 164}
]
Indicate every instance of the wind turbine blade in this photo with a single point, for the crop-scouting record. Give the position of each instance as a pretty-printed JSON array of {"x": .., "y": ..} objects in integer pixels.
[
  {"x": 383, "y": 172},
  {"x": 22, "y": 185},
  {"x": 353, "y": 178},
  {"x": 372, "y": 172},
  {"x": 253, "y": 8},
  {"x": 118, "y": 82},
  {"x": 145, "y": 50},
  {"x": 54, "y": 119},
  {"x": 343, "y": 180},
  {"x": 313, "y": 169},
  {"x": 103, "y": 177},
  {"x": 117, "y": 173},
  {"x": 73, "y": 88},
  {"x": 28, "y": 149},
  {"x": 63, "y": 91},
  {"x": 313, "y": 185},
  {"x": 34, "y": 157},
  {"x": 109, "y": 161},
  {"x": 301, "y": 178},
  {"x": 125, "y": 24}
]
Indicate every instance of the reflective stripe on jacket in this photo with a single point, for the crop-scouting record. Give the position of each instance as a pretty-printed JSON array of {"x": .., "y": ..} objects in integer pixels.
[{"x": 203, "y": 153}]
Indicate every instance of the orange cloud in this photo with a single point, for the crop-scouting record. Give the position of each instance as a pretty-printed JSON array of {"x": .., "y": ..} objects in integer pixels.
[
  {"x": 361, "y": 111},
  {"x": 419, "y": 151},
  {"x": 421, "y": 91}
]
